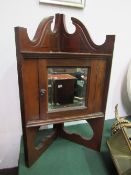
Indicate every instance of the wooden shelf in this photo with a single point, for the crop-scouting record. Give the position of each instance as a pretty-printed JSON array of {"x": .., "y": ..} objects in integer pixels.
[{"x": 36, "y": 123}]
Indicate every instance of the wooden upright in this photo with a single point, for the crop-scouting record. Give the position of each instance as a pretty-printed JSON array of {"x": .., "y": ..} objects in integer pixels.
[{"x": 50, "y": 48}]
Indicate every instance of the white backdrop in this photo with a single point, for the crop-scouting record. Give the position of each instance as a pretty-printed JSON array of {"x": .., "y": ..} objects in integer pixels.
[{"x": 100, "y": 17}]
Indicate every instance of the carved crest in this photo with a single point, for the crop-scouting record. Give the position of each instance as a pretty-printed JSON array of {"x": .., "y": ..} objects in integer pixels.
[{"x": 59, "y": 40}]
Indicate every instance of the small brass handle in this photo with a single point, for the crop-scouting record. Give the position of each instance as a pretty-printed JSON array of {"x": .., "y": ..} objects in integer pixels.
[{"x": 42, "y": 92}]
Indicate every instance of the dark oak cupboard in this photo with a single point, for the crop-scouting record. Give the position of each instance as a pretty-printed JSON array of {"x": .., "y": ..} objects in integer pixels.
[{"x": 62, "y": 77}]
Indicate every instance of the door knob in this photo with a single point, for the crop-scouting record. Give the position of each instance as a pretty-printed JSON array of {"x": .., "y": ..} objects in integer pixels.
[{"x": 42, "y": 92}]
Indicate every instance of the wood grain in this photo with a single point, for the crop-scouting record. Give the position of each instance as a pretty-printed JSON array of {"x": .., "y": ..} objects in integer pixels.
[{"x": 58, "y": 48}]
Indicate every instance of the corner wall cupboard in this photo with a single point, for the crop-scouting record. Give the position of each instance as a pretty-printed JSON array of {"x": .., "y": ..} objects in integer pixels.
[{"x": 62, "y": 77}]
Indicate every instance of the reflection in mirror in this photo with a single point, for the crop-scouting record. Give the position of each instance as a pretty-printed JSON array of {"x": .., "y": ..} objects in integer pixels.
[{"x": 66, "y": 87}]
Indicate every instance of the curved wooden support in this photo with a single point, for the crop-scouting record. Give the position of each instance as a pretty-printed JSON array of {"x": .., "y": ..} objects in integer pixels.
[
  {"x": 93, "y": 143},
  {"x": 33, "y": 152},
  {"x": 97, "y": 126}
]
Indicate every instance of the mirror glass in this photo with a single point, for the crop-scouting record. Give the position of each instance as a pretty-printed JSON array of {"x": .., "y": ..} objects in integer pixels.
[{"x": 66, "y": 87}]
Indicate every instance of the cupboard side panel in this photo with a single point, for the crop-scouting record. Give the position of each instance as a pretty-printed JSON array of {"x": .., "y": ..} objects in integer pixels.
[
  {"x": 30, "y": 89},
  {"x": 101, "y": 82}
]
